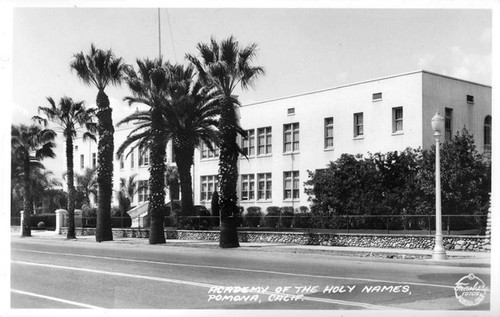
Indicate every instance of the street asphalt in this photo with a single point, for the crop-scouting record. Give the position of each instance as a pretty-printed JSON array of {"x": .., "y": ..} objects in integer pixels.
[{"x": 48, "y": 271}]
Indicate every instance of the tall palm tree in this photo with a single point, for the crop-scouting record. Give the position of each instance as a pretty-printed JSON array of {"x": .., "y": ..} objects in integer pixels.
[
  {"x": 30, "y": 145},
  {"x": 148, "y": 87},
  {"x": 226, "y": 66},
  {"x": 100, "y": 68},
  {"x": 192, "y": 121},
  {"x": 70, "y": 117},
  {"x": 87, "y": 183}
]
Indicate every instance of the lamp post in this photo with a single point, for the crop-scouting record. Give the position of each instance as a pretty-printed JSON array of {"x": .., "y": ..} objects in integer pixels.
[{"x": 437, "y": 127}]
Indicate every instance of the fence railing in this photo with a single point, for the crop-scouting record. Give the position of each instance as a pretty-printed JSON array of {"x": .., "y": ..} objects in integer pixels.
[
  {"x": 305, "y": 222},
  {"x": 465, "y": 224}
]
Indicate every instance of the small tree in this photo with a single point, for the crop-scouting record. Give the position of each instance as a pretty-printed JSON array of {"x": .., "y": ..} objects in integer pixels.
[
  {"x": 465, "y": 182},
  {"x": 215, "y": 208}
]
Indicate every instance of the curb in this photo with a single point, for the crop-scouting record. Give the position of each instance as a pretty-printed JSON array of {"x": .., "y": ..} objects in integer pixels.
[{"x": 361, "y": 255}]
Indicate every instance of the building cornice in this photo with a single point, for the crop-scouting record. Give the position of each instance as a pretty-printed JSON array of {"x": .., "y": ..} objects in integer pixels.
[{"x": 360, "y": 83}]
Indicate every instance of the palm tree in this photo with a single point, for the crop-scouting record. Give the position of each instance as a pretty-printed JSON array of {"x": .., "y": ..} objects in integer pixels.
[
  {"x": 30, "y": 145},
  {"x": 128, "y": 186},
  {"x": 192, "y": 121},
  {"x": 100, "y": 68},
  {"x": 171, "y": 182},
  {"x": 148, "y": 87},
  {"x": 69, "y": 116},
  {"x": 87, "y": 183},
  {"x": 225, "y": 67}
]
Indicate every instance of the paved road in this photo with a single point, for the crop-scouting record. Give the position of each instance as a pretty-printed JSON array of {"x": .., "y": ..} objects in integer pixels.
[{"x": 76, "y": 274}]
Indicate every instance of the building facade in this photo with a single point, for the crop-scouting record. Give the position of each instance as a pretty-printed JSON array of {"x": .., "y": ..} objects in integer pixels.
[{"x": 289, "y": 136}]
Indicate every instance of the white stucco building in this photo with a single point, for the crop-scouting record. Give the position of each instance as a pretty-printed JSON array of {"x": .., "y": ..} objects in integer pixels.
[{"x": 290, "y": 135}]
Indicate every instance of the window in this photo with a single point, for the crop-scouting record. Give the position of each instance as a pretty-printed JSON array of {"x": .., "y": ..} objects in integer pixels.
[
  {"x": 487, "y": 131},
  {"x": 448, "y": 120},
  {"x": 377, "y": 96},
  {"x": 209, "y": 184},
  {"x": 132, "y": 160},
  {"x": 143, "y": 157},
  {"x": 291, "y": 138},
  {"x": 470, "y": 99},
  {"x": 264, "y": 141},
  {"x": 248, "y": 143},
  {"x": 82, "y": 161},
  {"x": 358, "y": 124},
  {"x": 122, "y": 162},
  {"x": 290, "y": 111},
  {"x": 94, "y": 160},
  {"x": 264, "y": 186},
  {"x": 143, "y": 190},
  {"x": 206, "y": 153},
  {"x": 291, "y": 185},
  {"x": 328, "y": 133},
  {"x": 247, "y": 187},
  {"x": 397, "y": 119}
]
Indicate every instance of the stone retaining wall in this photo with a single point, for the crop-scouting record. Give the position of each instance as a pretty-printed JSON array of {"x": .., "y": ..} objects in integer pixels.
[{"x": 455, "y": 243}]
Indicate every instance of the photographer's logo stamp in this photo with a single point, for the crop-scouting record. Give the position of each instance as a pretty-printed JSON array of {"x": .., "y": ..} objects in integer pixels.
[{"x": 470, "y": 290}]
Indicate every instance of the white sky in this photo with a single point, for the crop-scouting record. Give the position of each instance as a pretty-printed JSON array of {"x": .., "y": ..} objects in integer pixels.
[{"x": 300, "y": 49}]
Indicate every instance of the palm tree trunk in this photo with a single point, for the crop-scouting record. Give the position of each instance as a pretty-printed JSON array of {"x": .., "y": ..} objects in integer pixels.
[
  {"x": 184, "y": 160},
  {"x": 105, "y": 168},
  {"x": 28, "y": 201},
  {"x": 71, "y": 189},
  {"x": 228, "y": 178},
  {"x": 157, "y": 181}
]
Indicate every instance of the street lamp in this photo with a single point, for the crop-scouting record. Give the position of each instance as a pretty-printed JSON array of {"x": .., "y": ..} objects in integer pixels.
[{"x": 437, "y": 127}]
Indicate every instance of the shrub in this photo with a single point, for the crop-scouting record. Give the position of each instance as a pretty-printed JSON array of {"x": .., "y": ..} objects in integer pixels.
[
  {"x": 272, "y": 217},
  {"x": 302, "y": 220},
  {"x": 49, "y": 219},
  {"x": 286, "y": 217},
  {"x": 303, "y": 209},
  {"x": 253, "y": 217}
]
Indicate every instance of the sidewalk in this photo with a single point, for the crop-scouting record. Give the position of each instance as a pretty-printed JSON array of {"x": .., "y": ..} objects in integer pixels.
[{"x": 407, "y": 256}]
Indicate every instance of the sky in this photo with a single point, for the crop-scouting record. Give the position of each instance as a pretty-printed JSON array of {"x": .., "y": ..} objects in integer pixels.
[{"x": 301, "y": 50}]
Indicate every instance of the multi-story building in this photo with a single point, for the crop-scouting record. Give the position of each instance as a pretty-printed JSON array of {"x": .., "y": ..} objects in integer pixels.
[{"x": 289, "y": 136}]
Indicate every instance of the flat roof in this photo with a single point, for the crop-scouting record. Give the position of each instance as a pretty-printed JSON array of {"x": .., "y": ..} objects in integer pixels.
[{"x": 363, "y": 82}]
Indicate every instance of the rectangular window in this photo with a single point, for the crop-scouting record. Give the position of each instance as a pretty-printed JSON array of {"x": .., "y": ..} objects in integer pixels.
[
  {"x": 122, "y": 162},
  {"x": 209, "y": 184},
  {"x": 143, "y": 190},
  {"x": 291, "y": 185},
  {"x": 448, "y": 121},
  {"x": 82, "y": 161},
  {"x": 328, "y": 133},
  {"x": 470, "y": 99},
  {"x": 264, "y": 141},
  {"x": 94, "y": 160},
  {"x": 248, "y": 143},
  {"x": 291, "y": 137},
  {"x": 132, "y": 160},
  {"x": 377, "y": 96},
  {"x": 206, "y": 153},
  {"x": 264, "y": 186},
  {"x": 397, "y": 119},
  {"x": 143, "y": 157},
  {"x": 247, "y": 187},
  {"x": 358, "y": 124}
]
